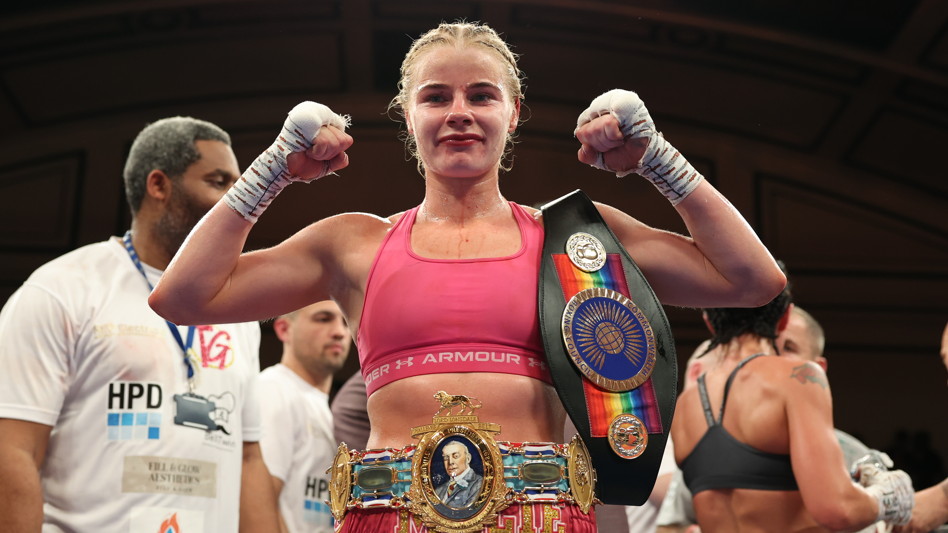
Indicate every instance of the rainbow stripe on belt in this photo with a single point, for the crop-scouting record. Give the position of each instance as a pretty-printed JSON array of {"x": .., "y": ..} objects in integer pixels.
[{"x": 601, "y": 404}]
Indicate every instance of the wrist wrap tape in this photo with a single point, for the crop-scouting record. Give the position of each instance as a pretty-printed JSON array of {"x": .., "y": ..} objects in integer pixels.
[
  {"x": 268, "y": 175},
  {"x": 893, "y": 492},
  {"x": 662, "y": 164}
]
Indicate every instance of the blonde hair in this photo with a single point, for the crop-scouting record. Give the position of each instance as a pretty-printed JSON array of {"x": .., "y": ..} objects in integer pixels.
[{"x": 459, "y": 35}]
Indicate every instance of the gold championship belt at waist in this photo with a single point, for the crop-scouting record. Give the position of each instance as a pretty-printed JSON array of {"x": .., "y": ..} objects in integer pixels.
[{"x": 458, "y": 478}]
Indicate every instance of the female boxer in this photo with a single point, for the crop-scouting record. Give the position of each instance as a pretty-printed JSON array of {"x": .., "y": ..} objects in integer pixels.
[{"x": 455, "y": 277}]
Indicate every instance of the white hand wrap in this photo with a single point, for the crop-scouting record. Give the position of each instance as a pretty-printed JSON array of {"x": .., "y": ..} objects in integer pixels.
[
  {"x": 662, "y": 164},
  {"x": 893, "y": 490},
  {"x": 268, "y": 175}
]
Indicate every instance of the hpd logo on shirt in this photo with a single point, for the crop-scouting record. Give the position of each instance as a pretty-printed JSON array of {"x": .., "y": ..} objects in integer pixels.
[{"x": 134, "y": 410}]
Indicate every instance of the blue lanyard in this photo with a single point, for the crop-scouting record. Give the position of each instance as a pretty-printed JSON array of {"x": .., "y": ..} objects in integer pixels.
[{"x": 174, "y": 329}]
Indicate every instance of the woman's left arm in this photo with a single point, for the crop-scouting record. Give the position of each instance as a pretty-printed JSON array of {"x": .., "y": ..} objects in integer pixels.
[{"x": 723, "y": 263}]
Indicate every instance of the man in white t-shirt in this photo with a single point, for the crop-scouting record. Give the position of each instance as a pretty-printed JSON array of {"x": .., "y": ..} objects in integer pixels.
[
  {"x": 108, "y": 422},
  {"x": 298, "y": 444}
]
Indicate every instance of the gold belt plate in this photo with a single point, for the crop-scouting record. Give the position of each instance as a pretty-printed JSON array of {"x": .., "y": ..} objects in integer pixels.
[
  {"x": 628, "y": 436},
  {"x": 457, "y": 470},
  {"x": 582, "y": 475},
  {"x": 340, "y": 484}
]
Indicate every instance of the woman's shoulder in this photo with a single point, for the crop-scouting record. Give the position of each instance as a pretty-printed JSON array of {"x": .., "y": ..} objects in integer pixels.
[
  {"x": 362, "y": 219},
  {"x": 532, "y": 211},
  {"x": 355, "y": 223},
  {"x": 778, "y": 364},
  {"x": 783, "y": 375},
  {"x": 766, "y": 366},
  {"x": 345, "y": 233},
  {"x": 393, "y": 219}
]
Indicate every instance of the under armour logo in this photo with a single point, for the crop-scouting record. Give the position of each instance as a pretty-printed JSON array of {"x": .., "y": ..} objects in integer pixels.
[
  {"x": 537, "y": 362},
  {"x": 399, "y": 364}
]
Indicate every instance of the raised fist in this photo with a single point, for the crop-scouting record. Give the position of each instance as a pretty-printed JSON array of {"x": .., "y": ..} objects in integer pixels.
[
  {"x": 311, "y": 145},
  {"x": 618, "y": 134},
  {"x": 327, "y": 155},
  {"x": 602, "y": 135}
]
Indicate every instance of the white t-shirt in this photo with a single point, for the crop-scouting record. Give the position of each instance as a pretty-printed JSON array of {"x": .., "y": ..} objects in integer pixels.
[
  {"x": 643, "y": 518},
  {"x": 80, "y": 350},
  {"x": 298, "y": 447}
]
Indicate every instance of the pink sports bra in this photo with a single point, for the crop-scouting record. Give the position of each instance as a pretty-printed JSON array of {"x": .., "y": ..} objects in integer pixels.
[{"x": 431, "y": 316}]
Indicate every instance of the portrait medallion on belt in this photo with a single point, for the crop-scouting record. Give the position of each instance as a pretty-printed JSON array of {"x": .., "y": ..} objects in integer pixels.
[
  {"x": 586, "y": 252},
  {"x": 457, "y": 469},
  {"x": 609, "y": 339}
]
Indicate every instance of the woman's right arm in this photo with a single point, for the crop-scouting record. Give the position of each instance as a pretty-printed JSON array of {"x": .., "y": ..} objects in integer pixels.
[{"x": 210, "y": 281}]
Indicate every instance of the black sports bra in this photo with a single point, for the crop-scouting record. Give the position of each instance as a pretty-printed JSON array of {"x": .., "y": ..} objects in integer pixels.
[{"x": 719, "y": 461}]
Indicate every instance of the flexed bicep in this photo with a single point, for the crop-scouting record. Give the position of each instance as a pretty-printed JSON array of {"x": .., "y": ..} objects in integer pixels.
[{"x": 211, "y": 281}]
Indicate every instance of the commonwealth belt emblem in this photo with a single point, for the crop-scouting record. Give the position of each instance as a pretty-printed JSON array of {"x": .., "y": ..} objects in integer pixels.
[{"x": 609, "y": 339}]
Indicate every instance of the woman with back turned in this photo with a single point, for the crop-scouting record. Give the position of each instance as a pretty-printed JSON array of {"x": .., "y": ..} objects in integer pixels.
[{"x": 755, "y": 438}]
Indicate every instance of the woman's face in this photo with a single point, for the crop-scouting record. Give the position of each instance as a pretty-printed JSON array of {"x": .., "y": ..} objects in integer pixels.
[{"x": 460, "y": 111}]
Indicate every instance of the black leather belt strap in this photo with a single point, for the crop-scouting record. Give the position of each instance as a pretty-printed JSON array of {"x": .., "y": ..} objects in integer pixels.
[{"x": 620, "y": 481}]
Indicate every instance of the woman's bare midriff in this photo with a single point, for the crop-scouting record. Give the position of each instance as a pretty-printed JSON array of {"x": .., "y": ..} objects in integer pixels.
[{"x": 526, "y": 409}]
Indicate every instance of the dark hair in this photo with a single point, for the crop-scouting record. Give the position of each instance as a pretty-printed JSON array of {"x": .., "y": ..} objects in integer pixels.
[
  {"x": 732, "y": 322},
  {"x": 166, "y": 145}
]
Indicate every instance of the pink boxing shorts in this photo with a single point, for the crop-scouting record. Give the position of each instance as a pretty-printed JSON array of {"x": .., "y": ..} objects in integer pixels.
[{"x": 527, "y": 518}]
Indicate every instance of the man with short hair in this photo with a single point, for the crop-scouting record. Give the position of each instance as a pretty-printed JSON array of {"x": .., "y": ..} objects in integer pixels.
[
  {"x": 803, "y": 338},
  {"x": 298, "y": 444},
  {"x": 463, "y": 485},
  {"x": 113, "y": 419}
]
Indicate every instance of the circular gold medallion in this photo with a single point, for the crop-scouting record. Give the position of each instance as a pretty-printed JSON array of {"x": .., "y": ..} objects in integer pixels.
[
  {"x": 609, "y": 339},
  {"x": 628, "y": 436},
  {"x": 586, "y": 252},
  {"x": 340, "y": 483}
]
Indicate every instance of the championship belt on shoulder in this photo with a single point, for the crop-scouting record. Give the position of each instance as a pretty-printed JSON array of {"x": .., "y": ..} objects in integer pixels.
[{"x": 609, "y": 348}]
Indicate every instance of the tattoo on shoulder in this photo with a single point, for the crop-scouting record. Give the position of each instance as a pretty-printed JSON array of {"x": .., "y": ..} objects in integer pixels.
[{"x": 806, "y": 373}]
